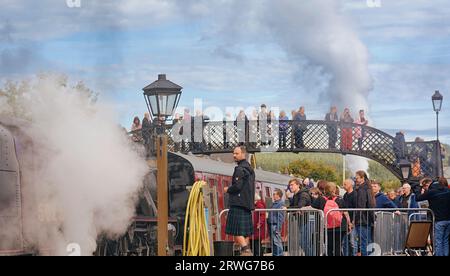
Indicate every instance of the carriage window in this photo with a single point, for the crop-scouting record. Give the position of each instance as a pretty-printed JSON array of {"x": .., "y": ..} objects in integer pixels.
[{"x": 268, "y": 194}]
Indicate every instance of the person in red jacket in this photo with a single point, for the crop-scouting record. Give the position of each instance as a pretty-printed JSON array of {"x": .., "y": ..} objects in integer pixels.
[
  {"x": 346, "y": 132},
  {"x": 259, "y": 226}
]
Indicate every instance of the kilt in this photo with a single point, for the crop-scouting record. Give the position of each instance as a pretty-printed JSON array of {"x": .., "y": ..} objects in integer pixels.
[{"x": 239, "y": 222}]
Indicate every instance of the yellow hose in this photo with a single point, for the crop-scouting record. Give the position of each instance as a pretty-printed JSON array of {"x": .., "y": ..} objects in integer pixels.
[{"x": 195, "y": 222}]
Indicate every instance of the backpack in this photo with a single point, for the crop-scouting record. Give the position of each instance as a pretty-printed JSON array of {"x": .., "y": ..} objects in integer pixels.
[{"x": 334, "y": 219}]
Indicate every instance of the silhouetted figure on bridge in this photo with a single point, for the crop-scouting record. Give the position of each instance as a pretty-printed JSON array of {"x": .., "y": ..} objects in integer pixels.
[
  {"x": 332, "y": 118},
  {"x": 346, "y": 132},
  {"x": 147, "y": 133},
  {"x": 135, "y": 127},
  {"x": 399, "y": 146},
  {"x": 199, "y": 123},
  {"x": 283, "y": 126},
  {"x": 241, "y": 124},
  {"x": 299, "y": 128},
  {"x": 264, "y": 125},
  {"x": 226, "y": 130},
  {"x": 359, "y": 131}
]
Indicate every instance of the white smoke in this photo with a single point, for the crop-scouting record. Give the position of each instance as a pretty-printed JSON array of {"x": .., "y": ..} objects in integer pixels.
[
  {"x": 86, "y": 177},
  {"x": 317, "y": 36},
  {"x": 356, "y": 163},
  {"x": 326, "y": 47}
]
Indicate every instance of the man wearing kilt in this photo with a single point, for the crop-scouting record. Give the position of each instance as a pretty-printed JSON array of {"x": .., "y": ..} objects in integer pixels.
[{"x": 241, "y": 201}]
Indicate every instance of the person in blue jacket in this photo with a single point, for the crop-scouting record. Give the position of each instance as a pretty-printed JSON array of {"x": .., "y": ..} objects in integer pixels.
[
  {"x": 382, "y": 201},
  {"x": 275, "y": 221}
]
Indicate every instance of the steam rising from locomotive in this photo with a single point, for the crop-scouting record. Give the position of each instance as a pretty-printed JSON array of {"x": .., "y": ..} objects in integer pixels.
[{"x": 79, "y": 178}]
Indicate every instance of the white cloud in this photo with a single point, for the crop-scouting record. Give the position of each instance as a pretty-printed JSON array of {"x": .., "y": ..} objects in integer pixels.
[{"x": 401, "y": 18}]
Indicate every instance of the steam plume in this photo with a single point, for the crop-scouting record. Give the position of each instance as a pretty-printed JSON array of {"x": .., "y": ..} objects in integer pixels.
[{"x": 86, "y": 177}]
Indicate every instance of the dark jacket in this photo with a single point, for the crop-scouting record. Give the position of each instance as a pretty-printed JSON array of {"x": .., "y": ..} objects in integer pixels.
[
  {"x": 242, "y": 189},
  {"x": 412, "y": 202},
  {"x": 397, "y": 201},
  {"x": 301, "y": 199},
  {"x": 146, "y": 129},
  {"x": 365, "y": 200},
  {"x": 439, "y": 201},
  {"x": 283, "y": 123},
  {"x": 276, "y": 217},
  {"x": 350, "y": 202},
  {"x": 298, "y": 125},
  {"x": 331, "y": 118},
  {"x": 383, "y": 201}
]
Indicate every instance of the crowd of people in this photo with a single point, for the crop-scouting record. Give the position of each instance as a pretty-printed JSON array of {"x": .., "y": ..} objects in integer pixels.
[
  {"x": 352, "y": 137},
  {"x": 348, "y": 232},
  {"x": 282, "y": 120}
]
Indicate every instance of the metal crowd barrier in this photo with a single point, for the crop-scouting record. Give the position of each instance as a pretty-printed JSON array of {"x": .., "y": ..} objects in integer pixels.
[
  {"x": 305, "y": 232},
  {"x": 300, "y": 234},
  {"x": 374, "y": 232}
]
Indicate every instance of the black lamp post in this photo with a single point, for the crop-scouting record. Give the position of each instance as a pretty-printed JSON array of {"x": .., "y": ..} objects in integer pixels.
[
  {"x": 437, "y": 105},
  {"x": 405, "y": 167},
  {"x": 162, "y": 97}
]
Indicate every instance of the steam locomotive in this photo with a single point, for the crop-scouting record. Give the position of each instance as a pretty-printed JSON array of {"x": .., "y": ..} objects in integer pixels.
[
  {"x": 16, "y": 233},
  {"x": 183, "y": 171}
]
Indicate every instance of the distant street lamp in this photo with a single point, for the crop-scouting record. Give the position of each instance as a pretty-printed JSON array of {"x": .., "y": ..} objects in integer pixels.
[
  {"x": 405, "y": 167},
  {"x": 162, "y": 97},
  {"x": 437, "y": 105}
]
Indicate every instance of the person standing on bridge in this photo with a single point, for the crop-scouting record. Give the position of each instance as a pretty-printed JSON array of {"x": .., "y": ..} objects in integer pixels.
[
  {"x": 332, "y": 119},
  {"x": 283, "y": 126},
  {"x": 263, "y": 120},
  {"x": 241, "y": 201},
  {"x": 359, "y": 131},
  {"x": 135, "y": 128},
  {"x": 399, "y": 146},
  {"x": 300, "y": 127},
  {"x": 346, "y": 133},
  {"x": 147, "y": 133},
  {"x": 241, "y": 124}
]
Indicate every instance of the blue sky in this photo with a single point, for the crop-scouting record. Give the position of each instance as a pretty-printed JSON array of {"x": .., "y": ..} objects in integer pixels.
[{"x": 228, "y": 53}]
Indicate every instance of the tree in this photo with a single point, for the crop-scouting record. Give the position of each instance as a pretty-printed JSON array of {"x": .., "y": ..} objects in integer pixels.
[
  {"x": 379, "y": 173},
  {"x": 15, "y": 96},
  {"x": 11, "y": 96},
  {"x": 315, "y": 170}
]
